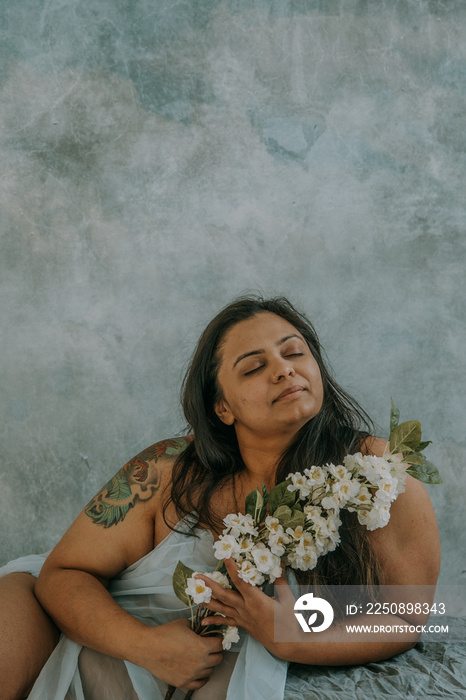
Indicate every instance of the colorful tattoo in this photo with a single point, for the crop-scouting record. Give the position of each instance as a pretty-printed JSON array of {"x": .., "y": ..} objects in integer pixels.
[{"x": 134, "y": 482}]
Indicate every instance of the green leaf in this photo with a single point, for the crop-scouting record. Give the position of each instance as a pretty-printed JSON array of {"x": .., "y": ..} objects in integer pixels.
[
  {"x": 284, "y": 514},
  {"x": 254, "y": 503},
  {"x": 428, "y": 472},
  {"x": 423, "y": 445},
  {"x": 280, "y": 495},
  {"x": 263, "y": 510},
  {"x": 413, "y": 458},
  {"x": 405, "y": 435},
  {"x": 180, "y": 576},
  {"x": 297, "y": 518},
  {"x": 394, "y": 416},
  {"x": 118, "y": 488}
]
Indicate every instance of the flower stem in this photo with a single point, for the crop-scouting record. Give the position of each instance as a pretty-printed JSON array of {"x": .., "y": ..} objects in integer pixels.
[{"x": 170, "y": 691}]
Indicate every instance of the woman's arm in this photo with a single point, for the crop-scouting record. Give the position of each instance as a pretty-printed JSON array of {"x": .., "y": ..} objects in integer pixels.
[
  {"x": 409, "y": 554},
  {"x": 114, "y": 531}
]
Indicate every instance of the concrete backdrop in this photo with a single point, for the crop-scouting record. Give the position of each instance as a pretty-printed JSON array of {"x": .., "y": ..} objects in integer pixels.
[{"x": 159, "y": 157}]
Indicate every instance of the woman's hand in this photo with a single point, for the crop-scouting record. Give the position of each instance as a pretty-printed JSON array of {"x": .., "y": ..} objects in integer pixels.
[
  {"x": 179, "y": 656},
  {"x": 249, "y": 608}
]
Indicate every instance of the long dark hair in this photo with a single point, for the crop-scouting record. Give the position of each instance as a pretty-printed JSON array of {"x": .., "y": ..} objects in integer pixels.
[{"x": 213, "y": 456}]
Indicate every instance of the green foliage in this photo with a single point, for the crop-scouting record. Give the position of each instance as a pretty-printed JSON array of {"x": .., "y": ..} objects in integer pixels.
[
  {"x": 407, "y": 439},
  {"x": 280, "y": 495},
  {"x": 428, "y": 472},
  {"x": 180, "y": 577},
  {"x": 256, "y": 504},
  {"x": 297, "y": 518},
  {"x": 394, "y": 417},
  {"x": 283, "y": 514},
  {"x": 290, "y": 517}
]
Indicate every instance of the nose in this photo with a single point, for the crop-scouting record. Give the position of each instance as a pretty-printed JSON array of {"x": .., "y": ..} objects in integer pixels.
[{"x": 282, "y": 370}]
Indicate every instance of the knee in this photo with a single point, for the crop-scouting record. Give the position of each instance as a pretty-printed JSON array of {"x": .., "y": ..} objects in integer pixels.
[{"x": 27, "y": 635}]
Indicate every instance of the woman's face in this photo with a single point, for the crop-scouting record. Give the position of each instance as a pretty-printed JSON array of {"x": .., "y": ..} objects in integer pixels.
[{"x": 271, "y": 384}]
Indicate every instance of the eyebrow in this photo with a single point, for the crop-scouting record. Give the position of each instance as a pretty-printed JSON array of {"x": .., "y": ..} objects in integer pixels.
[{"x": 259, "y": 352}]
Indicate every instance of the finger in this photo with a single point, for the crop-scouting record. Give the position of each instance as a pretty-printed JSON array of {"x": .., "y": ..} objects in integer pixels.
[
  {"x": 216, "y": 658},
  {"x": 282, "y": 577},
  {"x": 232, "y": 568},
  {"x": 195, "y": 685},
  {"x": 224, "y": 595},
  {"x": 216, "y": 606},
  {"x": 282, "y": 591},
  {"x": 280, "y": 581},
  {"x": 213, "y": 620}
]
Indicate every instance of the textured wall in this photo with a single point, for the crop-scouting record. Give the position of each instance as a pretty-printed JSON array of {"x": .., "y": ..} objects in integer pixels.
[{"x": 158, "y": 158}]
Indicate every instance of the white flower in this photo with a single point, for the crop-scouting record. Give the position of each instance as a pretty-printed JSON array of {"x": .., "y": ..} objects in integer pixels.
[
  {"x": 339, "y": 471},
  {"x": 248, "y": 572},
  {"x": 345, "y": 489},
  {"x": 247, "y": 525},
  {"x": 331, "y": 502},
  {"x": 264, "y": 560},
  {"x": 363, "y": 497},
  {"x": 273, "y": 525},
  {"x": 398, "y": 468},
  {"x": 333, "y": 525},
  {"x": 275, "y": 573},
  {"x": 306, "y": 562},
  {"x": 375, "y": 518},
  {"x": 245, "y": 544},
  {"x": 226, "y": 547},
  {"x": 315, "y": 476},
  {"x": 219, "y": 578},
  {"x": 353, "y": 462},
  {"x": 277, "y": 543},
  {"x": 238, "y": 524},
  {"x": 233, "y": 522},
  {"x": 198, "y": 590},
  {"x": 296, "y": 533},
  {"x": 230, "y": 636},
  {"x": 306, "y": 541},
  {"x": 312, "y": 512},
  {"x": 387, "y": 490},
  {"x": 299, "y": 483}
]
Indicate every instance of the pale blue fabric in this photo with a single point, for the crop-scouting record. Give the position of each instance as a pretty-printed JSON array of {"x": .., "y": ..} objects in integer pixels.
[{"x": 145, "y": 590}]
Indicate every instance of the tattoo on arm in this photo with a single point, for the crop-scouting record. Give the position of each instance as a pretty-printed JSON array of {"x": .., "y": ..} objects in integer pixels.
[{"x": 134, "y": 482}]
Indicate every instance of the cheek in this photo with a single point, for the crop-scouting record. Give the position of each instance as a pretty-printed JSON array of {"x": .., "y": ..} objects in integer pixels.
[
  {"x": 247, "y": 397},
  {"x": 318, "y": 384}
]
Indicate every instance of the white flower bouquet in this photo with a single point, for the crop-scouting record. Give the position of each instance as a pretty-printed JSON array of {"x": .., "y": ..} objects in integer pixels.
[{"x": 298, "y": 521}]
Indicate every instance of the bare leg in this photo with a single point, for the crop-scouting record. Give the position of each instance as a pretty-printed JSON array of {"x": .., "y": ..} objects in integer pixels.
[
  {"x": 28, "y": 636},
  {"x": 217, "y": 685},
  {"x": 103, "y": 677}
]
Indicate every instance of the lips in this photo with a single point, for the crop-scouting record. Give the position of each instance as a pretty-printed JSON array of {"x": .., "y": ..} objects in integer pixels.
[{"x": 296, "y": 389}]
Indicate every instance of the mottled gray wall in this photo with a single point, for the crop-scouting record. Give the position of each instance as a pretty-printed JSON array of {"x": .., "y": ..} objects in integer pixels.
[{"x": 159, "y": 157}]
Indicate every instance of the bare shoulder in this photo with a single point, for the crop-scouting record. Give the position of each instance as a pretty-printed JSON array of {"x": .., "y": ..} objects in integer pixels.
[
  {"x": 142, "y": 479},
  {"x": 118, "y": 526},
  {"x": 409, "y": 546}
]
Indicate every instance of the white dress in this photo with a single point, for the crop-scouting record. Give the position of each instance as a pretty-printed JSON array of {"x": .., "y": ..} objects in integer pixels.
[{"x": 145, "y": 590}]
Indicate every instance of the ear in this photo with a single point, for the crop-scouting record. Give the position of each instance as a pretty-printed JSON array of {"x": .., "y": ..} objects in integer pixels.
[{"x": 223, "y": 411}]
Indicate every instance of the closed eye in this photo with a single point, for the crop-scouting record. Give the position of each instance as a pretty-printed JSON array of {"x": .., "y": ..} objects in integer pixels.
[
  {"x": 251, "y": 371},
  {"x": 294, "y": 354}
]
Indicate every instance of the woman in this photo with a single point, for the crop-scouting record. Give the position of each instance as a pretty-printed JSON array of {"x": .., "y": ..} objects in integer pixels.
[{"x": 260, "y": 404}]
